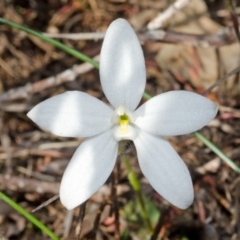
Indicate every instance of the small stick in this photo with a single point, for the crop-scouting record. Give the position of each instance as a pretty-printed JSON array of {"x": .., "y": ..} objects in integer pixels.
[
  {"x": 238, "y": 209},
  {"x": 80, "y": 219},
  {"x": 46, "y": 203},
  {"x": 67, "y": 223},
  {"x": 159, "y": 224},
  {"x": 28, "y": 185},
  {"x": 31, "y": 88},
  {"x": 97, "y": 220},
  {"x": 77, "y": 36},
  {"x": 167, "y": 14},
  {"x": 221, "y": 80},
  {"x": 225, "y": 36},
  {"x": 115, "y": 200},
  {"x": 234, "y": 18}
]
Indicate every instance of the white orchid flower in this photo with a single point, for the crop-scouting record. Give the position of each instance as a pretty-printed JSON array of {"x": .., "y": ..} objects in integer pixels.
[{"x": 123, "y": 79}]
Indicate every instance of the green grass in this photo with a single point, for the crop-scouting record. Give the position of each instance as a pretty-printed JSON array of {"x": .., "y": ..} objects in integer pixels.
[{"x": 28, "y": 216}]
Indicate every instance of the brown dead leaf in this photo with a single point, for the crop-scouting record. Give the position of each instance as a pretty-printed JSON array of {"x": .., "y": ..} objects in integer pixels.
[
  {"x": 11, "y": 14},
  {"x": 199, "y": 66},
  {"x": 211, "y": 166}
]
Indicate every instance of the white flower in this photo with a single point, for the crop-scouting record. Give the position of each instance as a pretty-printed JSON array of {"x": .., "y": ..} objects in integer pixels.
[{"x": 123, "y": 79}]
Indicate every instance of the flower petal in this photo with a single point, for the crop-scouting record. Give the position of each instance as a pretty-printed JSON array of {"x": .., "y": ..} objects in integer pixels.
[
  {"x": 164, "y": 169},
  {"x": 122, "y": 66},
  {"x": 72, "y": 114},
  {"x": 88, "y": 169},
  {"x": 175, "y": 113}
]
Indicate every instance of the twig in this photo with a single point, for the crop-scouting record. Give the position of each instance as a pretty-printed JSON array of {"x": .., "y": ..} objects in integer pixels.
[
  {"x": 238, "y": 209},
  {"x": 224, "y": 37},
  {"x": 77, "y": 36},
  {"x": 97, "y": 220},
  {"x": 167, "y": 14},
  {"x": 46, "y": 203},
  {"x": 220, "y": 81},
  {"x": 67, "y": 223},
  {"x": 115, "y": 200},
  {"x": 31, "y": 88},
  {"x": 37, "y": 175},
  {"x": 6, "y": 144},
  {"x": 159, "y": 224},
  {"x": 57, "y": 145},
  {"x": 80, "y": 219},
  {"x": 15, "y": 107},
  {"x": 28, "y": 185},
  {"x": 36, "y": 152},
  {"x": 223, "y": 201},
  {"x": 234, "y": 18}
]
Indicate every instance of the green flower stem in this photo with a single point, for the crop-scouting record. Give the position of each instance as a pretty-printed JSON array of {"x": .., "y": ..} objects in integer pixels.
[
  {"x": 28, "y": 216},
  {"x": 146, "y": 96},
  {"x": 133, "y": 180},
  {"x": 55, "y": 43},
  {"x": 218, "y": 152}
]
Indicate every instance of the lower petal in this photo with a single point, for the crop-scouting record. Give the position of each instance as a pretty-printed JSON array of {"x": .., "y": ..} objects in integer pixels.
[
  {"x": 89, "y": 168},
  {"x": 164, "y": 169}
]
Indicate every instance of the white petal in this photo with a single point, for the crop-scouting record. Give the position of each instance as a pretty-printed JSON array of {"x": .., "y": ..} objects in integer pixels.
[
  {"x": 175, "y": 113},
  {"x": 88, "y": 169},
  {"x": 164, "y": 169},
  {"x": 122, "y": 66},
  {"x": 72, "y": 114}
]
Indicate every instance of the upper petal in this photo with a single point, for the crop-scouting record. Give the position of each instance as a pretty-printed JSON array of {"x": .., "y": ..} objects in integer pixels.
[
  {"x": 122, "y": 66},
  {"x": 175, "y": 113},
  {"x": 72, "y": 114},
  {"x": 88, "y": 169},
  {"x": 164, "y": 169}
]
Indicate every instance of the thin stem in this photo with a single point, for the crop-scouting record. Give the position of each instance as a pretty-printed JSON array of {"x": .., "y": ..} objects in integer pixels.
[
  {"x": 28, "y": 216},
  {"x": 216, "y": 150},
  {"x": 82, "y": 209},
  {"x": 133, "y": 180},
  {"x": 146, "y": 96},
  {"x": 55, "y": 43},
  {"x": 234, "y": 18},
  {"x": 160, "y": 222},
  {"x": 221, "y": 80},
  {"x": 115, "y": 205}
]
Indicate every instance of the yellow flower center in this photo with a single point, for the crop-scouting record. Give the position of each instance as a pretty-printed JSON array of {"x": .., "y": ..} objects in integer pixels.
[{"x": 123, "y": 122}]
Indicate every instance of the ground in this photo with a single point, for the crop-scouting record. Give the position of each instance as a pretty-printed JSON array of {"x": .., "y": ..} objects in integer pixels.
[{"x": 32, "y": 161}]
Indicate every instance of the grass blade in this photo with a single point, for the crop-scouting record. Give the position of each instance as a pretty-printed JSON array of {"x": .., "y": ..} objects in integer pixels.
[
  {"x": 53, "y": 42},
  {"x": 28, "y": 216},
  {"x": 218, "y": 152}
]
